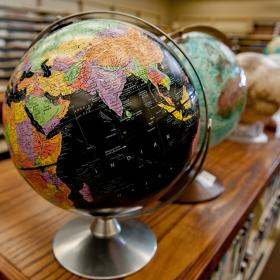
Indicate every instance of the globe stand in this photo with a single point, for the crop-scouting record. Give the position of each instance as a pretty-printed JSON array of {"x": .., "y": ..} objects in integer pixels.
[
  {"x": 99, "y": 248},
  {"x": 205, "y": 186},
  {"x": 249, "y": 133}
]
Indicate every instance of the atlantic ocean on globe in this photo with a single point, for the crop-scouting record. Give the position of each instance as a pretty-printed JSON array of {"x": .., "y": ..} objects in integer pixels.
[
  {"x": 100, "y": 114},
  {"x": 223, "y": 80}
]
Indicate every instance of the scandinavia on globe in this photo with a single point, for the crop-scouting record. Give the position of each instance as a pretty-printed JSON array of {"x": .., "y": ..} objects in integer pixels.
[
  {"x": 100, "y": 114},
  {"x": 223, "y": 80}
]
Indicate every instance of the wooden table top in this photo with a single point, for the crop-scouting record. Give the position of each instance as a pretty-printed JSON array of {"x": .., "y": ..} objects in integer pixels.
[{"x": 191, "y": 238}]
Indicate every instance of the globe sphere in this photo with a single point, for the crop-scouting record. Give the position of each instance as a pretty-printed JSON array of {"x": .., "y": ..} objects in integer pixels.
[
  {"x": 223, "y": 80},
  {"x": 100, "y": 114},
  {"x": 273, "y": 46},
  {"x": 275, "y": 57},
  {"x": 262, "y": 73}
]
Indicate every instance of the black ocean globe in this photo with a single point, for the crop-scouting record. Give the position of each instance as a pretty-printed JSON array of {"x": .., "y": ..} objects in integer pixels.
[{"x": 100, "y": 114}]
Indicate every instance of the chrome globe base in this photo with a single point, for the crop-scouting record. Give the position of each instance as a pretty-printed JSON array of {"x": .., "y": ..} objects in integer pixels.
[
  {"x": 205, "y": 187},
  {"x": 98, "y": 248}
]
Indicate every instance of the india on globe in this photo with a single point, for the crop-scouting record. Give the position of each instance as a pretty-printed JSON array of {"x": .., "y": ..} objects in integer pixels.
[
  {"x": 100, "y": 113},
  {"x": 223, "y": 81}
]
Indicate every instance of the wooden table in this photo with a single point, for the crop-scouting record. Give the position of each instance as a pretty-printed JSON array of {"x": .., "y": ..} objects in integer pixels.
[{"x": 191, "y": 238}]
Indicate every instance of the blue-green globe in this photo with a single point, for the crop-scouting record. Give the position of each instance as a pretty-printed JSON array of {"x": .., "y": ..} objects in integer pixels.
[
  {"x": 223, "y": 80},
  {"x": 273, "y": 46}
]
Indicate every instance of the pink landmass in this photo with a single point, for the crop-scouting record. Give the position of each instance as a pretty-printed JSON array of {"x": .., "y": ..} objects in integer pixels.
[
  {"x": 51, "y": 125},
  {"x": 108, "y": 84},
  {"x": 26, "y": 64},
  {"x": 85, "y": 192},
  {"x": 52, "y": 178},
  {"x": 113, "y": 32},
  {"x": 62, "y": 64},
  {"x": 25, "y": 139}
]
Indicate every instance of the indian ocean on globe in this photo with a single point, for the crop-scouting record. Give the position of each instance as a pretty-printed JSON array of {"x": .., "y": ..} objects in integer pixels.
[
  {"x": 223, "y": 80},
  {"x": 100, "y": 114}
]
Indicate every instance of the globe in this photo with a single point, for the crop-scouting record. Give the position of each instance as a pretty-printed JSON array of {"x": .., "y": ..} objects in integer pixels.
[
  {"x": 275, "y": 57},
  {"x": 222, "y": 78},
  {"x": 101, "y": 114},
  {"x": 273, "y": 46},
  {"x": 263, "y": 97}
]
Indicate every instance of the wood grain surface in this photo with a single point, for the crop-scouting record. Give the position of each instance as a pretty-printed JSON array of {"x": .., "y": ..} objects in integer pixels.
[{"x": 191, "y": 238}]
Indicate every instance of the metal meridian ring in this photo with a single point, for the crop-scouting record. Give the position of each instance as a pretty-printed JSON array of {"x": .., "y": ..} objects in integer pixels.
[
  {"x": 204, "y": 29},
  {"x": 183, "y": 176}
]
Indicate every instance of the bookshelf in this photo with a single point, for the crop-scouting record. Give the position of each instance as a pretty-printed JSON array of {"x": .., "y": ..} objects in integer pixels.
[
  {"x": 255, "y": 40},
  {"x": 192, "y": 239},
  {"x": 18, "y": 27},
  {"x": 253, "y": 244}
]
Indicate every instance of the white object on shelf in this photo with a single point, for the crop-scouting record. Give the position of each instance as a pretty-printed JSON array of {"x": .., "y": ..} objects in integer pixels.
[
  {"x": 3, "y": 146},
  {"x": 276, "y": 118},
  {"x": 206, "y": 179},
  {"x": 253, "y": 133}
]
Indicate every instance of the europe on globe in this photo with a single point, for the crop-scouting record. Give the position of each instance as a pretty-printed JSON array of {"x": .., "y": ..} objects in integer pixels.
[{"x": 100, "y": 113}]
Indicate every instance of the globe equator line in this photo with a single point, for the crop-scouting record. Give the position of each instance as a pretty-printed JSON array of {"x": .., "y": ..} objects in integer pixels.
[{"x": 37, "y": 167}]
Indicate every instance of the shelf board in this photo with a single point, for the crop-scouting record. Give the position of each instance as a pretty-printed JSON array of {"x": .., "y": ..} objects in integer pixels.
[
  {"x": 22, "y": 27},
  {"x": 21, "y": 45},
  {"x": 11, "y": 49},
  {"x": 5, "y": 77},
  {"x": 6, "y": 16},
  {"x": 8, "y": 64},
  {"x": 17, "y": 37},
  {"x": 11, "y": 54},
  {"x": 36, "y": 10},
  {"x": 252, "y": 37}
]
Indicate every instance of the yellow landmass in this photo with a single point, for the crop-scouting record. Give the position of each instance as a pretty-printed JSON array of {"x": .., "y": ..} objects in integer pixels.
[
  {"x": 55, "y": 84},
  {"x": 179, "y": 114},
  {"x": 58, "y": 195},
  {"x": 67, "y": 48},
  {"x": 19, "y": 112},
  {"x": 10, "y": 128},
  {"x": 29, "y": 84},
  {"x": 166, "y": 83},
  {"x": 65, "y": 105},
  {"x": 48, "y": 150},
  {"x": 118, "y": 51}
]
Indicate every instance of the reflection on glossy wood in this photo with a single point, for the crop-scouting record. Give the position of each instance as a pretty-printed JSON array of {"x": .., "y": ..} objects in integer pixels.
[{"x": 191, "y": 238}]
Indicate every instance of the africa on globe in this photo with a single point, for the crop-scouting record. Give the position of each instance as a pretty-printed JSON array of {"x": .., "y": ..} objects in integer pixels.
[{"x": 100, "y": 114}]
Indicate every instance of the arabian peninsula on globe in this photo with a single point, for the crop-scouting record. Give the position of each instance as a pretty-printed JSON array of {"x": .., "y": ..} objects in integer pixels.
[{"x": 100, "y": 114}]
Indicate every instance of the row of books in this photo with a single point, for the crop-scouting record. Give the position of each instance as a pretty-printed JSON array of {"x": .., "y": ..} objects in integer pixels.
[
  {"x": 253, "y": 244},
  {"x": 18, "y": 27},
  {"x": 3, "y": 145}
]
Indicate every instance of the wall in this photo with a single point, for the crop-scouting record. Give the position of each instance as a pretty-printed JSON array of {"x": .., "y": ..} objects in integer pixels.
[
  {"x": 234, "y": 16},
  {"x": 155, "y": 11}
]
